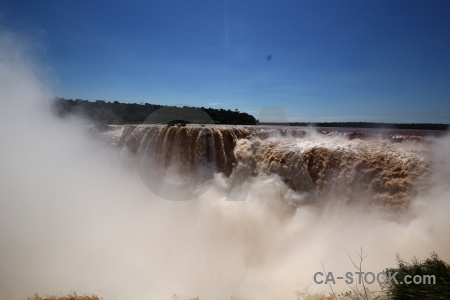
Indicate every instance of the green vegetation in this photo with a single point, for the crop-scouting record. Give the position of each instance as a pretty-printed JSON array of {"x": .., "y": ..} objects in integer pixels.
[
  {"x": 431, "y": 266},
  {"x": 116, "y": 112},
  {"x": 406, "y": 285},
  {"x": 131, "y": 113},
  {"x": 423, "y": 126}
]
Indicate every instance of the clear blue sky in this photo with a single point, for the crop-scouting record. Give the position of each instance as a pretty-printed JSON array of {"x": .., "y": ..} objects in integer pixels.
[{"x": 386, "y": 61}]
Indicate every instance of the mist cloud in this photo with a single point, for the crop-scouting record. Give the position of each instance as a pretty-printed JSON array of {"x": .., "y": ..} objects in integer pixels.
[{"x": 72, "y": 219}]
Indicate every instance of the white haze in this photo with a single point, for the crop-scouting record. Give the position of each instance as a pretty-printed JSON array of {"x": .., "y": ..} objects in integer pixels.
[{"x": 72, "y": 219}]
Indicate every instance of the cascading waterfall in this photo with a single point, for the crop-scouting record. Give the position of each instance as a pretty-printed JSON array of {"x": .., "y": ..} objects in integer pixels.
[
  {"x": 385, "y": 171},
  {"x": 188, "y": 147},
  {"x": 73, "y": 219}
]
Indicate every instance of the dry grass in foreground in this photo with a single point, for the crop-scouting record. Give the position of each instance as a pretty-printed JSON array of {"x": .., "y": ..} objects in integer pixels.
[{"x": 72, "y": 296}]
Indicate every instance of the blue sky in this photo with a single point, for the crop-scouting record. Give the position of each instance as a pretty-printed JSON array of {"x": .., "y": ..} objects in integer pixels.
[{"x": 383, "y": 61}]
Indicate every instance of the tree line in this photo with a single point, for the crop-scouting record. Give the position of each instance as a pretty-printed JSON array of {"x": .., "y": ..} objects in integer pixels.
[
  {"x": 116, "y": 112},
  {"x": 104, "y": 112},
  {"x": 423, "y": 126}
]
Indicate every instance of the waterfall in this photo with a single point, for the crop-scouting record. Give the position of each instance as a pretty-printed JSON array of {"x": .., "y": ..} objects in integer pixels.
[{"x": 347, "y": 167}]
